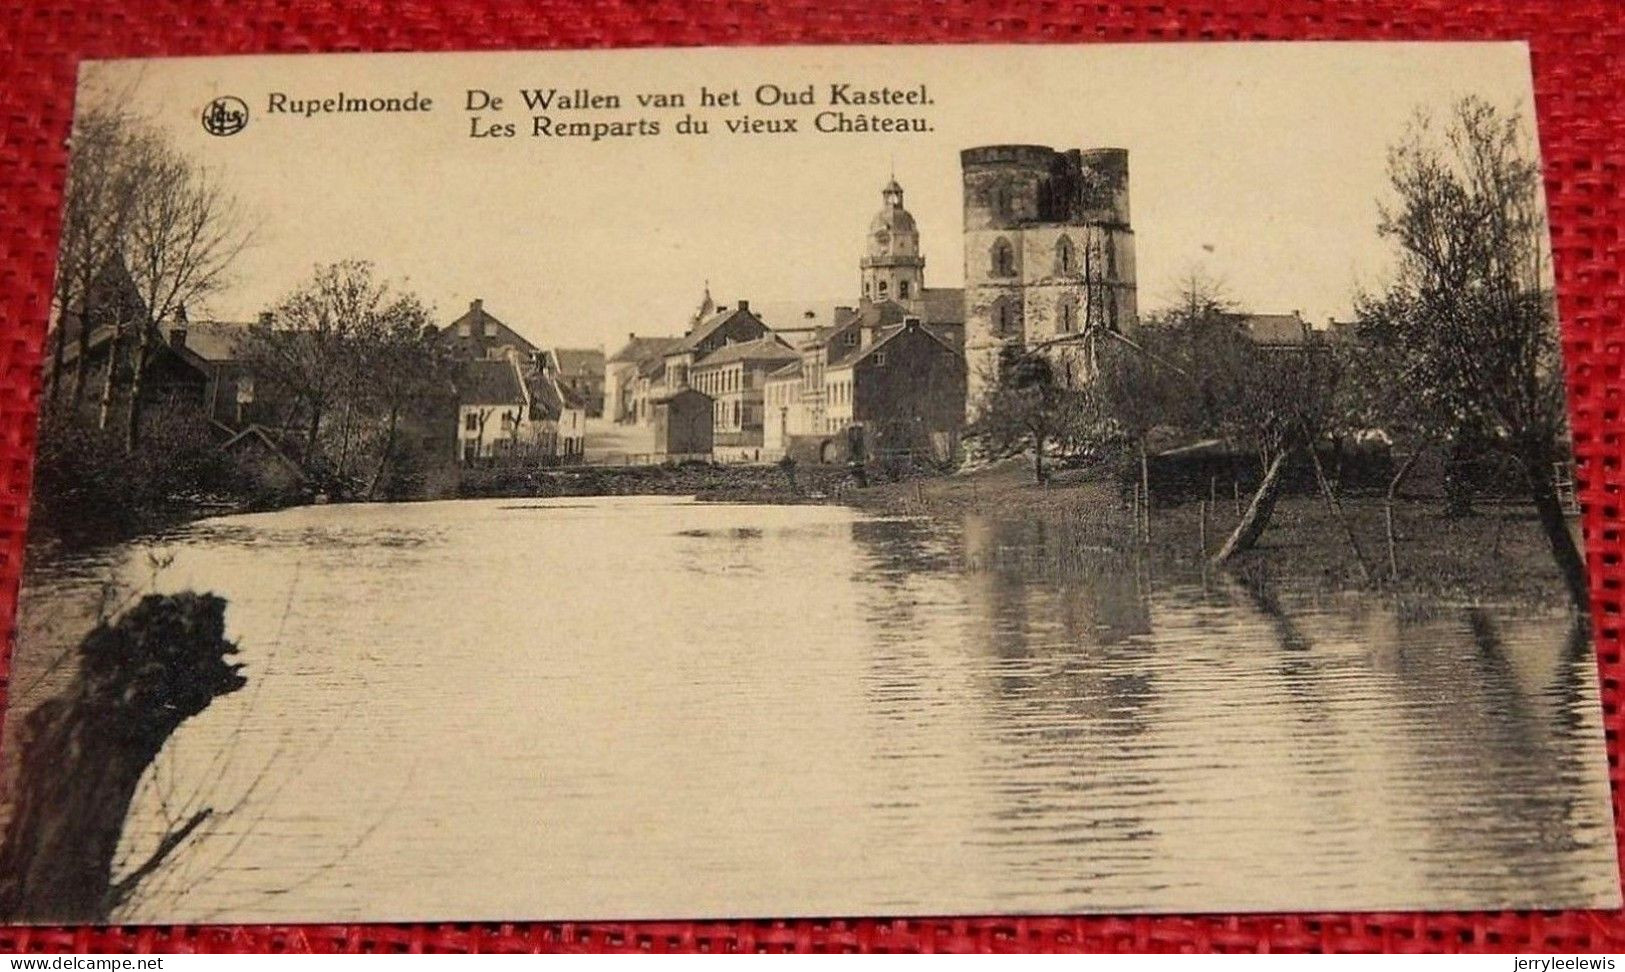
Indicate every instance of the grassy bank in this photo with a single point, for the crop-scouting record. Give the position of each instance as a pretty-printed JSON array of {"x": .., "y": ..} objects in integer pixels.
[
  {"x": 1499, "y": 554},
  {"x": 703, "y": 480}
]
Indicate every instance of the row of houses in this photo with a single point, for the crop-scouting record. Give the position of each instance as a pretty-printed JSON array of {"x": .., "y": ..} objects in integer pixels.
[
  {"x": 505, "y": 396},
  {"x": 886, "y": 374}
]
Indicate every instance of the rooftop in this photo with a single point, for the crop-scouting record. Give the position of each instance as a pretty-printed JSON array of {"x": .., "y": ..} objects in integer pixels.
[
  {"x": 768, "y": 348},
  {"x": 490, "y": 381}
]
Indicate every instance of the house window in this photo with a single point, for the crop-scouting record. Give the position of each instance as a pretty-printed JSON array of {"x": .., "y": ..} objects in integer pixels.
[
  {"x": 866, "y": 288},
  {"x": 1003, "y": 258},
  {"x": 471, "y": 422},
  {"x": 1066, "y": 259},
  {"x": 880, "y": 358},
  {"x": 882, "y": 289}
]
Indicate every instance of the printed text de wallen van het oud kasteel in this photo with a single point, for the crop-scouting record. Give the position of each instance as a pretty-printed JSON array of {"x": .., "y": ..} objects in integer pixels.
[{"x": 593, "y": 114}]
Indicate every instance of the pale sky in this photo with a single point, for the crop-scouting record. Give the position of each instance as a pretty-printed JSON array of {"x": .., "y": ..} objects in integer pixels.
[{"x": 1260, "y": 164}]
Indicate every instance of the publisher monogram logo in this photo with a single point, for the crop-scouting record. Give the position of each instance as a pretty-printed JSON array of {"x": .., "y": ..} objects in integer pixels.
[{"x": 225, "y": 115}]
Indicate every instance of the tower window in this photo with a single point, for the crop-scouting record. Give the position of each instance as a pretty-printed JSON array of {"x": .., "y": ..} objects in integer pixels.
[
  {"x": 1004, "y": 316},
  {"x": 882, "y": 288},
  {"x": 1066, "y": 258},
  {"x": 1069, "y": 315},
  {"x": 1004, "y": 258},
  {"x": 902, "y": 289}
]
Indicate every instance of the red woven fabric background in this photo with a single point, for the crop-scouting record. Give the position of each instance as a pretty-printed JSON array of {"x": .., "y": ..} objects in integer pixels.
[{"x": 1580, "y": 93}]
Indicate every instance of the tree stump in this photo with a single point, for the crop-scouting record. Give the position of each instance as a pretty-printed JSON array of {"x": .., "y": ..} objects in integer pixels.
[{"x": 83, "y": 754}]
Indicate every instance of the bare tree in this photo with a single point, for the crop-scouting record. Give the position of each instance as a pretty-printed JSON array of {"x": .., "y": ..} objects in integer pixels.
[
  {"x": 399, "y": 366},
  {"x": 1470, "y": 315},
  {"x": 305, "y": 347},
  {"x": 1026, "y": 406},
  {"x": 98, "y": 198},
  {"x": 183, "y": 233}
]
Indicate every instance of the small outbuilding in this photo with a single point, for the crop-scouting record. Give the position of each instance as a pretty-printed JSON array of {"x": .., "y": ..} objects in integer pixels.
[{"x": 683, "y": 425}]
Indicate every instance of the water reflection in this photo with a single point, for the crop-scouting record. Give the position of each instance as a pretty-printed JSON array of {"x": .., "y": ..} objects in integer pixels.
[{"x": 665, "y": 708}]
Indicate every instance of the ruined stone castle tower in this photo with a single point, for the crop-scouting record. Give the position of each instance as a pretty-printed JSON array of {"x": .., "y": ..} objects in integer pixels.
[
  {"x": 892, "y": 266},
  {"x": 1048, "y": 254}
]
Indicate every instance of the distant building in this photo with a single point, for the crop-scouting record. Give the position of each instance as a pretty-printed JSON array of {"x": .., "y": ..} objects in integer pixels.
[
  {"x": 478, "y": 334},
  {"x": 621, "y": 373},
  {"x": 581, "y": 372},
  {"x": 808, "y": 413},
  {"x": 682, "y": 424},
  {"x": 1279, "y": 332},
  {"x": 1049, "y": 253},
  {"x": 493, "y": 408},
  {"x": 734, "y": 377},
  {"x": 508, "y": 409},
  {"x": 892, "y": 266},
  {"x": 196, "y": 364},
  {"x": 902, "y": 391},
  {"x": 724, "y": 326},
  {"x": 647, "y": 385}
]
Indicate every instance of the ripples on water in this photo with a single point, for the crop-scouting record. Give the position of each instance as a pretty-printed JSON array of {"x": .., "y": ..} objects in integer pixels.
[{"x": 641, "y": 707}]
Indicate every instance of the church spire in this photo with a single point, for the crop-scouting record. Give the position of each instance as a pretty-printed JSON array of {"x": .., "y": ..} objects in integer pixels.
[{"x": 707, "y": 305}]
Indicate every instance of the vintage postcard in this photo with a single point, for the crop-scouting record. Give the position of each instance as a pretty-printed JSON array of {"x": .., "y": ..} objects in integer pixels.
[{"x": 804, "y": 482}]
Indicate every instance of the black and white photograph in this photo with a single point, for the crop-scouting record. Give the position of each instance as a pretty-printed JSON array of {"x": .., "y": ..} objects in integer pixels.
[{"x": 802, "y": 482}]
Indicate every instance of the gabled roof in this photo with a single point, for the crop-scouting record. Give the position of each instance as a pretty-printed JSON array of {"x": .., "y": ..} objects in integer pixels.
[
  {"x": 652, "y": 368},
  {"x": 789, "y": 371},
  {"x": 258, "y": 435},
  {"x": 885, "y": 337},
  {"x": 795, "y": 315},
  {"x": 216, "y": 340},
  {"x": 546, "y": 397},
  {"x": 710, "y": 326},
  {"x": 943, "y": 305},
  {"x": 640, "y": 349},
  {"x": 479, "y": 313},
  {"x": 579, "y": 361},
  {"x": 1274, "y": 330},
  {"x": 490, "y": 381},
  {"x": 870, "y": 315},
  {"x": 768, "y": 348}
]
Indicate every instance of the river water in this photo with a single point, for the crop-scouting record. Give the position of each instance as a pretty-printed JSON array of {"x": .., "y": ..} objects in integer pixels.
[{"x": 647, "y": 707}]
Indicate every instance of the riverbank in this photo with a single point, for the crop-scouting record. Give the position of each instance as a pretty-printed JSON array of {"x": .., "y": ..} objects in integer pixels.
[
  {"x": 1080, "y": 521},
  {"x": 1497, "y": 555},
  {"x": 702, "y": 480}
]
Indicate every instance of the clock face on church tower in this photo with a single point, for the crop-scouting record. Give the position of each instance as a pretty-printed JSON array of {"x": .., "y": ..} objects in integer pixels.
[{"x": 882, "y": 237}]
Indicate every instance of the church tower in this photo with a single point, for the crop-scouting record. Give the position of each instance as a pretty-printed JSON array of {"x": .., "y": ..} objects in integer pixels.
[
  {"x": 1049, "y": 255},
  {"x": 892, "y": 266}
]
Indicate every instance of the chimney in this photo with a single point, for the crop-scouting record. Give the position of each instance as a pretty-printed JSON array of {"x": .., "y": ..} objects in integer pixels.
[
  {"x": 911, "y": 322},
  {"x": 631, "y": 336},
  {"x": 265, "y": 318},
  {"x": 177, "y": 336},
  {"x": 476, "y": 306},
  {"x": 744, "y": 305}
]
